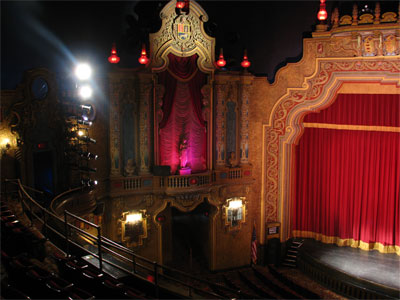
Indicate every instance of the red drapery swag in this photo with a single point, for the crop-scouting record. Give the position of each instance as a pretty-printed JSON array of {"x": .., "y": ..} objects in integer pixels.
[
  {"x": 348, "y": 181},
  {"x": 182, "y": 114}
]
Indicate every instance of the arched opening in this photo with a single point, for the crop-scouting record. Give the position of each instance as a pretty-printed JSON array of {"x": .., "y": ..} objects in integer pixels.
[
  {"x": 186, "y": 242},
  {"x": 286, "y": 128}
]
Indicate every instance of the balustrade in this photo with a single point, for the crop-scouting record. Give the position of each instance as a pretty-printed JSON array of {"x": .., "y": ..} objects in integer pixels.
[{"x": 178, "y": 182}]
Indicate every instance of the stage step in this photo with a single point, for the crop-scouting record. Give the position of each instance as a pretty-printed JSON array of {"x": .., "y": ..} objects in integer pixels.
[
  {"x": 291, "y": 254},
  {"x": 289, "y": 265}
]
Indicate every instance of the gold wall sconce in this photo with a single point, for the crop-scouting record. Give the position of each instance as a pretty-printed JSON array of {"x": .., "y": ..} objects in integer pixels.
[
  {"x": 234, "y": 212},
  {"x": 134, "y": 227},
  {"x": 7, "y": 140}
]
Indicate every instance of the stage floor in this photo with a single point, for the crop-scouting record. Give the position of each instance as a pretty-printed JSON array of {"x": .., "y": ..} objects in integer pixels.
[{"x": 374, "y": 266}]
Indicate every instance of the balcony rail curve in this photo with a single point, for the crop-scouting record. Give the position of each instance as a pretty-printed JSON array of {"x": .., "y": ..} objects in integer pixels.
[{"x": 102, "y": 248}]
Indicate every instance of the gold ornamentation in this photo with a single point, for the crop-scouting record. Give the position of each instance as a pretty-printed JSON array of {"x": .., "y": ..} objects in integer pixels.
[
  {"x": 220, "y": 124},
  {"x": 352, "y": 127},
  {"x": 390, "y": 45},
  {"x": 316, "y": 85},
  {"x": 133, "y": 232},
  {"x": 234, "y": 215},
  {"x": 345, "y": 20},
  {"x": 347, "y": 242},
  {"x": 366, "y": 19},
  {"x": 144, "y": 126},
  {"x": 347, "y": 46},
  {"x": 377, "y": 13},
  {"x": 388, "y": 17},
  {"x": 244, "y": 123},
  {"x": 355, "y": 15},
  {"x": 369, "y": 47},
  {"x": 182, "y": 35}
]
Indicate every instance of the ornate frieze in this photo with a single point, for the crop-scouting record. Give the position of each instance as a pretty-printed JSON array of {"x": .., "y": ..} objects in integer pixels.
[{"x": 377, "y": 43}]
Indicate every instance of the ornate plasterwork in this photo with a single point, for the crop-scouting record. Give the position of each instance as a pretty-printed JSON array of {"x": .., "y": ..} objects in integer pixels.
[
  {"x": 244, "y": 123},
  {"x": 352, "y": 44},
  {"x": 115, "y": 128},
  {"x": 316, "y": 93},
  {"x": 220, "y": 124},
  {"x": 182, "y": 35},
  {"x": 144, "y": 127}
]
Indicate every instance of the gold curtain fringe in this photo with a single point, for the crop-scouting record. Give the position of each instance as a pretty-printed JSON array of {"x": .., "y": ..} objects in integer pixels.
[
  {"x": 352, "y": 127},
  {"x": 347, "y": 242}
]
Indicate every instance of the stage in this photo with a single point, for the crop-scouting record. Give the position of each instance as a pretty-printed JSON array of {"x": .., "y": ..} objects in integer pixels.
[{"x": 351, "y": 267}]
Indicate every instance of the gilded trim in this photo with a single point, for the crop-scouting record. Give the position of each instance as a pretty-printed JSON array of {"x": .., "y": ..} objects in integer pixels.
[
  {"x": 347, "y": 242},
  {"x": 352, "y": 127},
  {"x": 285, "y": 123}
]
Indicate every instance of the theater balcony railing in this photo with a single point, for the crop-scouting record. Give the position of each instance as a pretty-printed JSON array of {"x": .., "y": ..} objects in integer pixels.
[{"x": 176, "y": 184}]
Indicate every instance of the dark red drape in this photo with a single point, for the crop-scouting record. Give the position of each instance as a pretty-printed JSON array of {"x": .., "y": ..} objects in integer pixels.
[
  {"x": 348, "y": 181},
  {"x": 182, "y": 113}
]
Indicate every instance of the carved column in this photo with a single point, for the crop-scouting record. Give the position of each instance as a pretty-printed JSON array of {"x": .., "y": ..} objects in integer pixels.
[
  {"x": 206, "y": 113},
  {"x": 355, "y": 15},
  {"x": 220, "y": 152},
  {"x": 244, "y": 124},
  {"x": 159, "y": 114},
  {"x": 115, "y": 130},
  {"x": 144, "y": 126}
]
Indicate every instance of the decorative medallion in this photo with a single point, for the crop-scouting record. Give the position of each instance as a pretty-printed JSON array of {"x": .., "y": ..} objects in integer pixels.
[{"x": 182, "y": 29}]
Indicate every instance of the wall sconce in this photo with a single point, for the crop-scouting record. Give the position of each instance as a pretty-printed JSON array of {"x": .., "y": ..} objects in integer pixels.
[
  {"x": 234, "y": 212},
  {"x": 6, "y": 141},
  {"x": 134, "y": 227}
]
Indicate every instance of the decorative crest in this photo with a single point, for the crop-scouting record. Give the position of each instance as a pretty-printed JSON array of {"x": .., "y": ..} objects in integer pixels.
[{"x": 182, "y": 34}]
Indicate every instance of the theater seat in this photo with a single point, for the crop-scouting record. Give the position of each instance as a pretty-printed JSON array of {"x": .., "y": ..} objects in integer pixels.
[
  {"x": 9, "y": 292},
  {"x": 57, "y": 288},
  {"x": 77, "y": 293}
]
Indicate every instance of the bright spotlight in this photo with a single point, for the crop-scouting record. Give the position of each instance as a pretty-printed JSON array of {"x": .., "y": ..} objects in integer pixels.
[
  {"x": 85, "y": 92},
  {"x": 83, "y": 71}
]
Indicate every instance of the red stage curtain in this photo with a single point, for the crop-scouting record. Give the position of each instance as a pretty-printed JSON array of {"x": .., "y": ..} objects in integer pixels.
[
  {"x": 348, "y": 181},
  {"x": 182, "y": 113}
]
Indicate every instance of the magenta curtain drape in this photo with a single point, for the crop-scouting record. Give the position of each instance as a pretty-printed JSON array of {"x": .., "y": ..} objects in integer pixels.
[
  {"x": 348, "y": 181},
  {"x": 182, "y": 114}
]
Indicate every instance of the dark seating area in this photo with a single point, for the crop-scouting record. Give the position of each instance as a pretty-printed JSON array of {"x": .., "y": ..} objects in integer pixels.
[
  {"x": 27, "y": 278},
  {"x": 23, "y": 250},
  {"x": 258, "y": 282}
]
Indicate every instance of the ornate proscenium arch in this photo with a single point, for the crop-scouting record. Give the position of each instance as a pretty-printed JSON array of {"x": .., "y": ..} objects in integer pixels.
[
  {"x": 182, "y": 35},
  {"x": 285, "y": 125}
]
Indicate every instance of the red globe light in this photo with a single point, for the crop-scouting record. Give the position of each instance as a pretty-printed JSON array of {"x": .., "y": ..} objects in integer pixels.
[
  {"x": 245, "y": 62},
  {"x": 221, "y": 62},
  {"x": 143, "y": 58},
  {"x": 193, "y": 181},
  {"x": 113, "y": 58},
  {"x": 180, "y": 4},
  {"x": 322, "y": 14}
]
